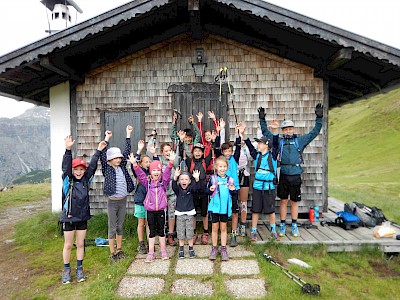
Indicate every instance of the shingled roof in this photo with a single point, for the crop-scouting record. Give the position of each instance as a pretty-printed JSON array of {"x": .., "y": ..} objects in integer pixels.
[{"x": 353, "y": 65}]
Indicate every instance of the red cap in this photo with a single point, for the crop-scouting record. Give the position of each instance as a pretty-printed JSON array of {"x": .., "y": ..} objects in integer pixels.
[
  {"x": 155, "y": 165},
  {"x": 79, "y": 162}
]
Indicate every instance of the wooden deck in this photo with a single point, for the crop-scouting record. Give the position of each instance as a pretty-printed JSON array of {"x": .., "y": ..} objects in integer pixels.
[{"x": 335, "y": 238}]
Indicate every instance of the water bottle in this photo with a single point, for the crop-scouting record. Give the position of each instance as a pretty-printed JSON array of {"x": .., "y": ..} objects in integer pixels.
[
  {"x": 316, "y": 213},
  {"x": 311, "y": 214}
]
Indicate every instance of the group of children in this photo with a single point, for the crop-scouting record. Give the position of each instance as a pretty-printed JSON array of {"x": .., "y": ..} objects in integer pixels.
[{"x": 203, "y": 172}]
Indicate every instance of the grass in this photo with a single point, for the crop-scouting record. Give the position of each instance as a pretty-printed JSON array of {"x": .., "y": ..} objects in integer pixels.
[
  {"x": 341, "y": 275},
  {"x": 364, "y": 152},
  {"x": 25, "y": 193}
]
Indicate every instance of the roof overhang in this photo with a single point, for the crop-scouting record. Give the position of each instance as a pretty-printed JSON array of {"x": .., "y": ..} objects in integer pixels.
[{"x": 353, "y": 65}]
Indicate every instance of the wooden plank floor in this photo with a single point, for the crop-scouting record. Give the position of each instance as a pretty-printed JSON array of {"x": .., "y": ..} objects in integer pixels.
[{"x": 335, "y": 238}]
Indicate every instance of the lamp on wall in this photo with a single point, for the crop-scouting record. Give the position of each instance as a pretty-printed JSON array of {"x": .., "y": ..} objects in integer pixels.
[{"x": 199, "y": 67}]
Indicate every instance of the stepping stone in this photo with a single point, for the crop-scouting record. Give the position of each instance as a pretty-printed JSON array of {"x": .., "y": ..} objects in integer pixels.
[
  {"x": 233, "y": 252},
  {"x": 157, "y": 267},
  {"x": 139, "y": 287},
  {"x": 192, "y": 288},
  {"x": 249, "y": 288},
  {"x": 170, "y": 251},
  {"x": 194, "y": 266},
  {"x": 240, "y": 267}
]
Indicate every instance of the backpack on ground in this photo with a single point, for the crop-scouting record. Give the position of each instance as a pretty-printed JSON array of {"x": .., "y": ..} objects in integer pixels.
[
  {"x": 345, "y": 220},
  {"x": 369, "y": 215}
]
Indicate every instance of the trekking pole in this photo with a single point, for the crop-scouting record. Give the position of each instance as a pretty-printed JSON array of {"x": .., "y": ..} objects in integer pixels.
[
  {"x": 230, "y": 93},
  {"x": 306, "y": 288}
]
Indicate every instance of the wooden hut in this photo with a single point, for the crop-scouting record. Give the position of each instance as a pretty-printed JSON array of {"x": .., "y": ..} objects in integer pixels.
[{"x": 137, "y": 62}]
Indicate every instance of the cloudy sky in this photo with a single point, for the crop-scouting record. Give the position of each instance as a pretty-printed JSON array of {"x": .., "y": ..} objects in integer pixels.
[{"x": 23, "y": 22}]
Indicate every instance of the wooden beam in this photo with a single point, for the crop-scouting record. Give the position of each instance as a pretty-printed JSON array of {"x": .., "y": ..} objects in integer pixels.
[
  {"x": 340, "y": 58},
  {"x": 195, "y": 19}
]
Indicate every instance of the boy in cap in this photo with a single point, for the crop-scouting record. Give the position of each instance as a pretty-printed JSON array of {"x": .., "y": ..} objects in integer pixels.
[
  {"x": 291, "y": 148},
  {"x": 264, "y": 185},
  {"x": 76, "y": 208},
  {"x": 117, "y": 186}
]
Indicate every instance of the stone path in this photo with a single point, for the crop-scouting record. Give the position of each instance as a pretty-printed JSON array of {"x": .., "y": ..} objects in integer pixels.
[{"x": 195, "y": 277}]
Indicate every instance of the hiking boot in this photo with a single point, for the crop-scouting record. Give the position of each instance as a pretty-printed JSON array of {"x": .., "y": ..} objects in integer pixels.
[
  {"x": 192, "y": 254},
  {"x": 204, "y": 239},
  {"x": 150, "y": 258},
  {"x": 170, "y": 239},
  {"x": 66, "y": 276},
  {"x": 274, "y": 235},
  {"x": 214, "y": 253},
  {"x": 164, "y": 254},
  {"x": 181, "y": 254},
  {"x": 295, "y": 230},
  {"x": 242, "y": 230},
  {"x": 114, "y": 258},
  {"x": 282, "y": 229},
  {"x": 120, "y": 254},
  {"x": 142, "y": 248},
  {"x": 80, "y": 276},
  {"x": 194, "y": 238},
  {"x": 233, "y": 240},
  {"x": 254, "y": 236},
  {"x": 224, "y": 254}
]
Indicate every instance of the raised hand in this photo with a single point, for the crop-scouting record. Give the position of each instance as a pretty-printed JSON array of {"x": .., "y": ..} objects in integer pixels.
[
  {"x": 240, "y": 128},
  {"x": 319, "y": 110},
  {"x": 177, "y": 173},
  {"x": 152, "y": 150},
  {"x": 213, "y": 135},
  {"x": 132, "y": 159},
  {"x": 108, "y": 135},
  {"x": 140, "y": 146},
  {"x": 191, "y": 119},
  {"x": 102, "y": 146},
  {"x": 222, "y": 123},
  {"x": 211, "y": 115},
  {"x": 181, "y": 134},
  {"x": 129, "y": 130},
  {"x": 174, "y": 117},
  {"x": 196, "y": 175},
  {"x": 172, "y": 156},
  {"x": 199, "y": 116},
  {"x": 69, "y": 142},
  {"x": 261, "y": 112}
]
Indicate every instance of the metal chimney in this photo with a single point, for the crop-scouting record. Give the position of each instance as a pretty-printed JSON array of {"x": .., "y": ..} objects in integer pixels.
[{"x": 60, "y": 17}]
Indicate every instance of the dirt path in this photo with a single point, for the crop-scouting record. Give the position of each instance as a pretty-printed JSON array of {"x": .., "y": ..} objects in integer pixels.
[{"x": 14, "y": 272}]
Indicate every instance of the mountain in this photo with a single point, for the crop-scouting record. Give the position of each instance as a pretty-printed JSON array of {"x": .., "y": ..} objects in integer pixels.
[{"x": 24, "y": 144}]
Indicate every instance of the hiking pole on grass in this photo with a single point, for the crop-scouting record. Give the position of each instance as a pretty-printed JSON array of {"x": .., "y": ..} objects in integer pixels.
[{"x": 306, "y": 288}]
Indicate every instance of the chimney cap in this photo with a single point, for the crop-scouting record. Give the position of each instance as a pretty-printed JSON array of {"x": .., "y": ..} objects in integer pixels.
[{"x": 51, "y": 3}]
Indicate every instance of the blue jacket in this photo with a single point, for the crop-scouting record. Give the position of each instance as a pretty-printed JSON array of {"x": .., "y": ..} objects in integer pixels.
[
  {"x": 109, "y": 171},
  {"x": 263, "y": 177},
  {"x": 79, "y": 206},
  {"x": 221, "y": 200},
  {"x": 289, "y": 158}
]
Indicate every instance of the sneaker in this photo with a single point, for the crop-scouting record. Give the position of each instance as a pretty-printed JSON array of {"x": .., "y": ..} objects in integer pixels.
[
  {"x": 274, "y": 235},
  {"x": 295, "y": 230},
  {"x": 204, "y": 239},
  {"x": 120, "y": 254},
  {"x": 80, "y": 276},
  {"x": 194, "y": 238},
  {"x": 66, "y": 276},
  {"x": 150, "y": 258},
  {"x": 114, "y": 258},
  {"x": 181, "y": 254},
  {"x": 192, "y": 254},
  {"x": 254, "y": 236},
  {"x": 233, "y": 240},
  {"x": 224, "y": 254},
  {"x": 282, "y": 229},
  {"x": 214, "y": 253},
  {"x": 164, "y": 254},
  {"x": 170, "y": 239},
  {"x": 142, "y": 248},
  {"x": 242, "y": 230}
]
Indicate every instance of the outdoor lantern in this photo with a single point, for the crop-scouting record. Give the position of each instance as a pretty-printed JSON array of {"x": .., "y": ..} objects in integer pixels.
[{"x": 200, "y": 66}]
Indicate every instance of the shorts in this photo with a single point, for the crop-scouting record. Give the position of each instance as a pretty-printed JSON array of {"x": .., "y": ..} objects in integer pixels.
[
  {"x": 201, "y": 201},
  {"x": 156, "y": 222},
  {"x": 216, "y": 218},
  {"x": 235, "y": 204},
  {"x": 290, "y": 185},
  {"x": 263, "y": 201},
  {"x": 244, "y": 181},
  {"x": 71, "y": 226},
  {"x": 140, "y": 212},
  {"x": 184, "y": 227},
  {"x": 171, "y": 199}
]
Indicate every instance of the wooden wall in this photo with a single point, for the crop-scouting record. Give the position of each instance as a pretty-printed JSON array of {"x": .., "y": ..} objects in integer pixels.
[{"x": 285, "y": 88}]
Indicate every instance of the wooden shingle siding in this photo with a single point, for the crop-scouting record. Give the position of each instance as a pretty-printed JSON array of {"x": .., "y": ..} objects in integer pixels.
[{"x": 285, "y": 88}]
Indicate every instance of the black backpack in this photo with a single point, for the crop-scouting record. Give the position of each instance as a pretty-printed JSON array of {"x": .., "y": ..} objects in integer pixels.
[{"x": 369, "y": 215}]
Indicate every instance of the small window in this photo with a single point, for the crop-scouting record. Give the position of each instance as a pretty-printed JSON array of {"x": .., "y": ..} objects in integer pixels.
[
  {"x": 69, "y": 18},
  {"x": 64, "y": 16},
  {"x": 56, "y": 15}
]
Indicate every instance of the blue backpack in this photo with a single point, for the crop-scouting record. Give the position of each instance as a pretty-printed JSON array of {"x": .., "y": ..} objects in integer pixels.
[{"x": 345, "y": 220}]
